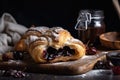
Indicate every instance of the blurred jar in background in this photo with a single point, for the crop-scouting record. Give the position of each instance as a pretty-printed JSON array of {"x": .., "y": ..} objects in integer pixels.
[{"x": 90, "y": 24}]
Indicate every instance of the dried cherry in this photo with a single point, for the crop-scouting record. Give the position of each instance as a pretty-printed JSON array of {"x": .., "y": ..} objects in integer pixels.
[
  {"x": 116, "y": 70},
  {"x": 91, "y": 50}
]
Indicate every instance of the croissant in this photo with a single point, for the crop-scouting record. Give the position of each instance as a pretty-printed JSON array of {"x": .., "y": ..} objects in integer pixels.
[
  {"x": 51, "y": 45},
  {"x": 37, "y": 31}
]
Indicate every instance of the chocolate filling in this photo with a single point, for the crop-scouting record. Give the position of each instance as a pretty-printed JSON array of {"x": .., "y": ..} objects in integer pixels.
[{"x": 51, "y": 53}]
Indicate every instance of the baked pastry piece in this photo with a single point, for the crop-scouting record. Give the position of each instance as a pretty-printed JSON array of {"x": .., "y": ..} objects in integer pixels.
[
  {"x": 34, "y": 31},
  {"x": 51, "y": 45}
]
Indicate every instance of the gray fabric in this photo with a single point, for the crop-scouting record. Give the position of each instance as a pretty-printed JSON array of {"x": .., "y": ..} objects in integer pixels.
[{"x": 10, "y": 32}]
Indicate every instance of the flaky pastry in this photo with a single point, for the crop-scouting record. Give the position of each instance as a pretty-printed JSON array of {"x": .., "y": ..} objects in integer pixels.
[{"x": 51, "y": 45}]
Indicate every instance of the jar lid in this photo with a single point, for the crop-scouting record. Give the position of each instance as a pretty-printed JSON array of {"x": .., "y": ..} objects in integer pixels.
[
  {"x": 98, "y": 13},
  {"x": 83, "y": 15}
]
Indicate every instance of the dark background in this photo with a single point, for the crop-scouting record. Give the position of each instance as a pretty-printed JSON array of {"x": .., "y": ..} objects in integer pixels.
[{"x": 58, "y": 12}]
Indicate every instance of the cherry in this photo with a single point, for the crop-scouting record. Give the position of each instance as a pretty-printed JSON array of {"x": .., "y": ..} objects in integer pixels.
[
  {"x": 18, "y": 55},
  {"x": 91, "y": 50},
  {"x": 15, "y": 73},
  {"x": 116, "y": 70},
  {"x": 102, "y": 65},
  {"x": 13, "y": 55},
  {"x": 5, "y": 57}
]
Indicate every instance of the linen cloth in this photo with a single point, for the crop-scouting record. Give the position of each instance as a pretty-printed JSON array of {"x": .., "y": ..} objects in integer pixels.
[{"x": 10, "y": 32}]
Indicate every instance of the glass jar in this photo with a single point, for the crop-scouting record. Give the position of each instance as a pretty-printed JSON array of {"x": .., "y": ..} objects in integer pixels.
[{"x": 90, "y": 24}]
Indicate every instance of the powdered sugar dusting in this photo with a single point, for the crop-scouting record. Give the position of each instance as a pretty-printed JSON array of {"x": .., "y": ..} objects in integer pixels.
[
  {"x": 42, "y": 38},
  {"x": 58, "y": 29},
  {"x": 55, "y": 35},
  {"x": 30, "y": 39},
  {"x": 41, "y": 29},
  {"x": 55, "y": 32},
  {"x": 49, "y": 40},
  {"x": 75, "y": 40}
]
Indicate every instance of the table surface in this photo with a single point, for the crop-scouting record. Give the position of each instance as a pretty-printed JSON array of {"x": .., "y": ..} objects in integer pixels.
[
  {"x": 91, "y": 75},
  {"x": 99, "y": 74}
]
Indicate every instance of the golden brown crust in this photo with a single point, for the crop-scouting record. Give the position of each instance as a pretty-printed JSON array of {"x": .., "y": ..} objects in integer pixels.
[
  {"x": 56, "y": 38},
  {"x": 59, "y": 36},
  {"x": 21, "y": 45},
  {"x": 31, "y": 32}
]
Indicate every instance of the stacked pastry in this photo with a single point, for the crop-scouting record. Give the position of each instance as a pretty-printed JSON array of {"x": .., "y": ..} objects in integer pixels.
[{"x": 50, "y": 45}]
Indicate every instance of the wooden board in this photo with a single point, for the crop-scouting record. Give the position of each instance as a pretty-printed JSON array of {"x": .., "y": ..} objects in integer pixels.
[{"x": 80, "y": 66}]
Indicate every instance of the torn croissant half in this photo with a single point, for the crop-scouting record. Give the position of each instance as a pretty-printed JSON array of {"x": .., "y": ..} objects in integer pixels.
[{"x": 51, "y": 45}]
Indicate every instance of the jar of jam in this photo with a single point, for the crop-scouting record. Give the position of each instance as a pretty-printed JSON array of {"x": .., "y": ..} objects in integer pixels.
[{"x": 90, "y": 24}]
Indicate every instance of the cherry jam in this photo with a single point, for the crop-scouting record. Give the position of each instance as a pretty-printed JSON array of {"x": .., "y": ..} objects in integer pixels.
[
  {"x": 51, "y": 53},
  {"x": 90, "y": 25}
]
